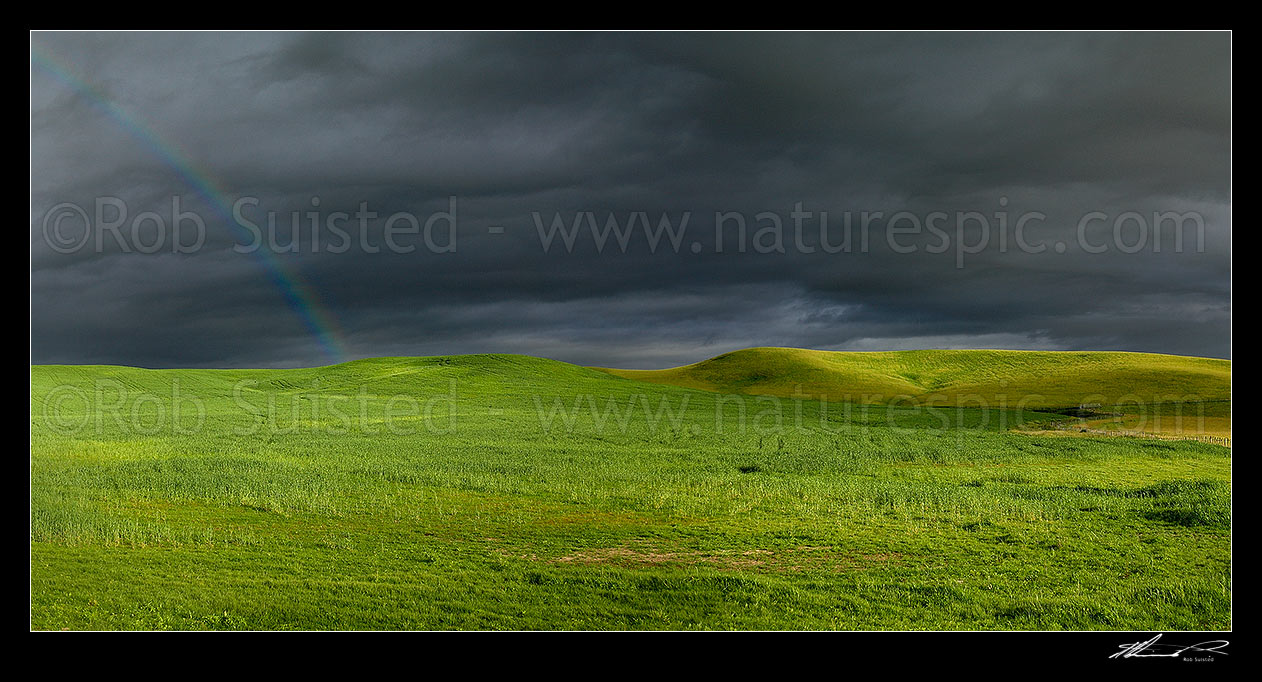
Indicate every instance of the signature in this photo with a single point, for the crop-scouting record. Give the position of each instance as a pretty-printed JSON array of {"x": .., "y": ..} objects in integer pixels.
[{"x": 1152, "y": 649}]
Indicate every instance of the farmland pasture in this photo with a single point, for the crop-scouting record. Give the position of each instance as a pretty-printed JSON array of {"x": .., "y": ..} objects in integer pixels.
[{"x": 499, "y": 491}]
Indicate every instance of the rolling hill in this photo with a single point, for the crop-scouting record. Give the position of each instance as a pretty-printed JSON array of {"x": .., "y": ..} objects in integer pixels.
[{"x": 1044, "y": 379}]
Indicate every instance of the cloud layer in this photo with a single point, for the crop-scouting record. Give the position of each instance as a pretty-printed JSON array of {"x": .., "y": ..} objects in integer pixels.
[{"x": 519, "y": 125}]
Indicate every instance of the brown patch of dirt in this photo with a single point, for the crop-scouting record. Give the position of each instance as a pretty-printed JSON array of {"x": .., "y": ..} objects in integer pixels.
[
  {"x": 890, "y": 556},
  {"x": 794, "y": 559}
]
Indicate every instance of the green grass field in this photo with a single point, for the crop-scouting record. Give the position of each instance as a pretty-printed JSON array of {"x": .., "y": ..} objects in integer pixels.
[{"x": 497, "y": 491}]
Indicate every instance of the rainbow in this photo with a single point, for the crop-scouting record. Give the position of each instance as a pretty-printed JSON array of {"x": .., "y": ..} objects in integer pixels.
[{"x": 301, "y": 298}]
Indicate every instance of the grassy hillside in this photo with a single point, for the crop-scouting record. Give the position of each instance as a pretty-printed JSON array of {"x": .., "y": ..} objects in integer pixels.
[
  {"x": 512, "y": 492},
  {"x": 955, "y": 377}
]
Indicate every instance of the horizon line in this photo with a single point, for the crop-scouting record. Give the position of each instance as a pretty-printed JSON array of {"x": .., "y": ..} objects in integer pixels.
[{"x": 604, "y": 367}]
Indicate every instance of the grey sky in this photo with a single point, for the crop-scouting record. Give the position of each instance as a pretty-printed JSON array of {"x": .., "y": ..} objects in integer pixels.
[{"x": 516, "y": 124}]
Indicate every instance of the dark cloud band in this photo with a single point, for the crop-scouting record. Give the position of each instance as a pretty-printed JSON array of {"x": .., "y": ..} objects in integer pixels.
[{"x": 527, "y": 126}]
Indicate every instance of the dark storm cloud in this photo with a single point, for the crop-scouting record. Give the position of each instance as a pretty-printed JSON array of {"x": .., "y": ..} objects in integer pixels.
[{"x": 513, "y": 124}]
